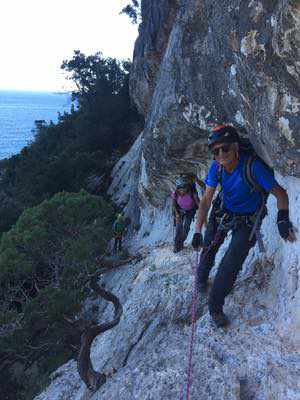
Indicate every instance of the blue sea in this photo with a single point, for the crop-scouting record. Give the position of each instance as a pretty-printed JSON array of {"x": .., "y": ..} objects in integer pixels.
[{"x": 19, "y": 110}]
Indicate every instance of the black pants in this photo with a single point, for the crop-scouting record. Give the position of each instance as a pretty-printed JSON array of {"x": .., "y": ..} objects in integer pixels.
[
  {"x": 231, "y": 263},
  {"x": 182, "y": 228},
  {"x": 118, "y": 243}
]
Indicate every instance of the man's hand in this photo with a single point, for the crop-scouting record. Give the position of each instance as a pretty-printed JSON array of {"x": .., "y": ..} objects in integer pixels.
[
  {"x": 285, "y": 226},
  {"x": 197, "y": 241}
]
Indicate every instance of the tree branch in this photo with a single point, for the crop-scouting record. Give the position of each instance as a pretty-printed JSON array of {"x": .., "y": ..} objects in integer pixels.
[{"x": 92, "y": 378}]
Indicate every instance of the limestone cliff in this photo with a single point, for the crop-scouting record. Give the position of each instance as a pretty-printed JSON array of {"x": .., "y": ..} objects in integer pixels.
[
  {"x": 198, "y": 62},
  {"x": 233, "y": 61}
]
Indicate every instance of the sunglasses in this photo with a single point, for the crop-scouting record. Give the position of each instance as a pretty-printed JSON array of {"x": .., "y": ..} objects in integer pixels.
[{"x": 225, "y": 149}]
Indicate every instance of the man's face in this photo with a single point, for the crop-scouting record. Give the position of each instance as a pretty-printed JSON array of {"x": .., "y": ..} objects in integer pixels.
[{"x": 224, "y": 153}]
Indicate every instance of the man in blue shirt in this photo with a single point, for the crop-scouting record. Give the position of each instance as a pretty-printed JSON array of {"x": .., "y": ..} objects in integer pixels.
[{"x": 236, "y": 210}]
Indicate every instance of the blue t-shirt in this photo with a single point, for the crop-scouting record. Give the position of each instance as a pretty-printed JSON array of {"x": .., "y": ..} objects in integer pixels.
[{"x": 237, "y": 195}]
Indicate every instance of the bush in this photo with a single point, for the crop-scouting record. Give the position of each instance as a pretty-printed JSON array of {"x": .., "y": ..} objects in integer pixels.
[
  {"x": 64, "y": 155},
  {"x": 44, "y": 263}
]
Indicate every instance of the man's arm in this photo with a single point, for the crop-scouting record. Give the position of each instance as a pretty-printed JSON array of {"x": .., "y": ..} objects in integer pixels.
[
  {"x": 204, "y": 207},
  {"x": 281, "y": 197},
  {"x": 284, "y": 225}
]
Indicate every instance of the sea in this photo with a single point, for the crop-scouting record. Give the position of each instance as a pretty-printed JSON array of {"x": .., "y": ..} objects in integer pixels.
[{"x": 18, "y": 112}]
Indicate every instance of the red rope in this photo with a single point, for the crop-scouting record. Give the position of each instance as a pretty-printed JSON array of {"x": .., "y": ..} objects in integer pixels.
[
  {"x": 180, "y": 392},
  {"x": 193, "y": 329},
  {"x": 194, "y": 305},
  {"x": 200, "y": 256}
]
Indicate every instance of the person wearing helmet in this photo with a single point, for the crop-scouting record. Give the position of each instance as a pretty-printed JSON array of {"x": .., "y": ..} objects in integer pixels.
[
  {"x": 193, "y": 181},
  {"x": 185, "y": 201},
  {"x": 238, "y": 213},
  {"x": 119, "y": 229}
]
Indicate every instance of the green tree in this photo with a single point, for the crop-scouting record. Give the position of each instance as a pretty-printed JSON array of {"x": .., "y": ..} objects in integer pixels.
[
  {"x": 82, "y": 144},
  {"x": 133, "y": 10},
  {"x": 44, "y": 263}
]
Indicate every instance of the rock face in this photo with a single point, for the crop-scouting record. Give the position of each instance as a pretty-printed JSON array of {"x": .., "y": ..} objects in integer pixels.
[
  {"x": 158, "y": 18},
  {"x": 231, "y": 61},
  {"x": 257, "y": 357},
  {"x": 198, "y": 62}
]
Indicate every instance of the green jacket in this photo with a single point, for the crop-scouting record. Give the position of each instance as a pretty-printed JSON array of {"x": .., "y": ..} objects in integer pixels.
[{"x": 119, "y": 226}]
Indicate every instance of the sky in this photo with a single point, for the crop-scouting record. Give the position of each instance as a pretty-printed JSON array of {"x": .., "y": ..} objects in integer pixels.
[{"x": 37, "y": 35}]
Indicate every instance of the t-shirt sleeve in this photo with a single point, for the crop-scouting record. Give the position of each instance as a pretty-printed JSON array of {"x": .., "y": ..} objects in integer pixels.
[
  {"x": 263, "y": 175},
  {"x": 212, "y": 175}
]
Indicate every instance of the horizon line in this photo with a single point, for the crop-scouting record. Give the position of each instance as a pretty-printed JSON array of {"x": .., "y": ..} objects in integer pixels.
[{"x": 35, "y": 90}]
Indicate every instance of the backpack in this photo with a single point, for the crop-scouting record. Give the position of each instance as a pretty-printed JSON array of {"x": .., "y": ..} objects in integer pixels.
[{"x": 247, "y": 148}]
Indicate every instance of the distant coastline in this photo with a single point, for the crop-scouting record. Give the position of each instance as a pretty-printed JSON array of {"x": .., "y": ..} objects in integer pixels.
[
  {"x": 66, "y": 92},
  {"x": 32, "y": 91},
  {"x": 19, "y": 109}
]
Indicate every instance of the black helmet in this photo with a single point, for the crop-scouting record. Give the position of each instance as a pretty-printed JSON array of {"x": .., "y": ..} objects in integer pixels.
[
  {"x": 223, "y": 134},
  {"x": 181, "y": 183}
]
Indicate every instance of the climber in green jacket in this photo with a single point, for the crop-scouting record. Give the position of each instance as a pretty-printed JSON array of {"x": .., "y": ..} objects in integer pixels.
[{"x": 119, "y": 229}]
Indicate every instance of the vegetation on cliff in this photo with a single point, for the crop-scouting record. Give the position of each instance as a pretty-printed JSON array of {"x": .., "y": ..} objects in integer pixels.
[
  {"x": 84, "y": 142},
  {"x": 45, "y": 260},
  {"x": 53, "y": 231},
  {"x": 133, "y": 10}
]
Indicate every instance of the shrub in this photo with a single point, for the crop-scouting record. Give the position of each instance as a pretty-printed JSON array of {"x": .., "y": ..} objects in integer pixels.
[{"x": 44, "y": 263}]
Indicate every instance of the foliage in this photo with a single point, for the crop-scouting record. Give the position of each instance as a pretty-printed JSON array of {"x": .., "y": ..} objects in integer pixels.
[
  {"x": 82, "y": 143},
  {"x": 50, "y": 239},
  {"x": 44, "y": 263},
  {"x": 133, "y": 10}
]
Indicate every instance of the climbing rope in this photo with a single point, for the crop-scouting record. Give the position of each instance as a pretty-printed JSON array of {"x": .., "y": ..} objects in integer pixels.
[
  {"x": 194, "y": 305},
  {"x": 193, "y": 330},
  {"x": 201, "y": 256}
]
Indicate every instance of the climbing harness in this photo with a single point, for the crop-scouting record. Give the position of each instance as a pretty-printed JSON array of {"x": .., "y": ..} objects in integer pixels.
[
  {"x": 229, "y": 221},
  {"x": 255, "y": 219}
]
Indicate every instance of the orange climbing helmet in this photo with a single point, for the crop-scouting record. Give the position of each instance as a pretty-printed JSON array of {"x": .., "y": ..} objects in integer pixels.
[{"x": 223, "y": 134}]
